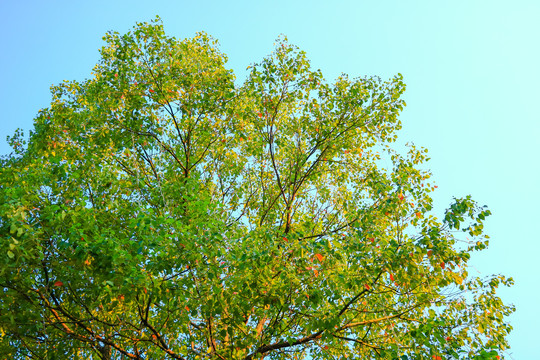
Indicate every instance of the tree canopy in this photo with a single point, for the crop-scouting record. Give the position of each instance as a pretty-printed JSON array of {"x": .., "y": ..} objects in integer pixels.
[{"x": 161, "y": 210}]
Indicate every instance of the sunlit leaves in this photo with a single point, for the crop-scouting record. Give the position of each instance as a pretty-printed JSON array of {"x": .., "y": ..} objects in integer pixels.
[{"x": 161, "y": 210}]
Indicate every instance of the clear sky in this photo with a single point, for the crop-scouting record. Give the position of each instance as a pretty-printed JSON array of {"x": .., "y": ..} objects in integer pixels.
[{"x": 472, "y": 68}]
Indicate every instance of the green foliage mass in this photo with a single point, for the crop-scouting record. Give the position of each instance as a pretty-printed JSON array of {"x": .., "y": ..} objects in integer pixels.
[{"x": 161, "y": 210}]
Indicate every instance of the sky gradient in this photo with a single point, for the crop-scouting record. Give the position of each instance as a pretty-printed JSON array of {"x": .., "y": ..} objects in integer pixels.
[{"x": 472, "y": 70}]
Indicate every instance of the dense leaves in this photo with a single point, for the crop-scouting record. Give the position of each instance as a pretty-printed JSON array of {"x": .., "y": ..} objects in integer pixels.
[{"x": 161, "y": 210}]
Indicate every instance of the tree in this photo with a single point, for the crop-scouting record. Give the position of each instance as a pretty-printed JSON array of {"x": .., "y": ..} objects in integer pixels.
[{"x": 160, "y": 210}]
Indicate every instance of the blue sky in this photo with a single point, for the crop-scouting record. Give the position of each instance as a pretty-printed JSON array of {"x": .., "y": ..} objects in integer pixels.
[{"x": 472, "y": 70}]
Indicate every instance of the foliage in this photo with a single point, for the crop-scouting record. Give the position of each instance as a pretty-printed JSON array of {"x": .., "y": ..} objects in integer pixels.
[{"x": 160, "y": 210}]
